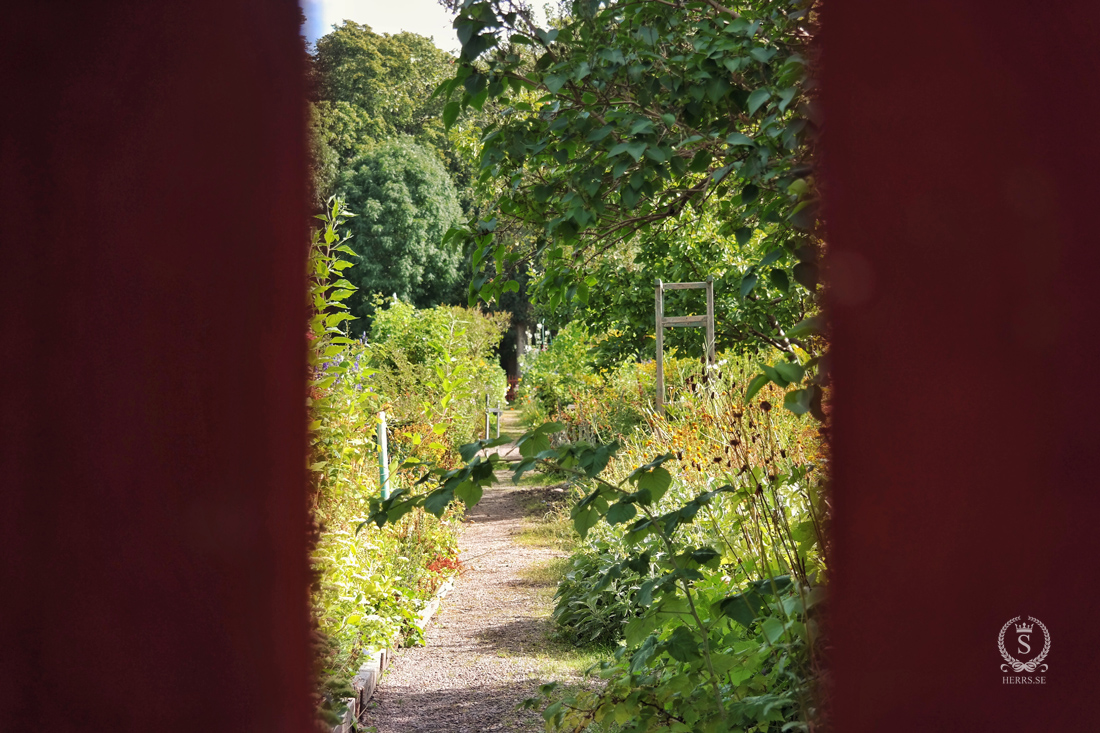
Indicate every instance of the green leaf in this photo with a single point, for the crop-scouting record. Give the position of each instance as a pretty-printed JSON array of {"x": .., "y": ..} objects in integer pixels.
[
  {"x": 741, "y": 607},
  {"x": 813, "y": 324},
  {"x": 763, "y": 55},
  {"x": 737, "y": 138},
  {"x": 547, "y": 37},
  {"x": 747, "y": 284},
  {"x": 789, "y": 371},
  {"x": 806, "y": 274},
  {"x": 469, "y": 492},
  {"x": 772, "y": 628},
  {"x": 552, "y": 710},
  {"x": 621, "y": 511},
  {"x": 700, "y": 162},
  {"x": 437, "y": 501},
  {"x": 636, "y": 149},
  {"x": 756, "y": 99},
  {"x": 656, "y": 482},
  {"x": 659, "y": 155},
  {"x": 774, "y": 375},
  {"x": 450, "y": 113},
  {"x": 705, "y": 555},
  {"x": 798, "y": 401},
  {"x": 785, "y": 97},
  {"x": 772, "y": 256},
  {"x": 600, "y": 133},
  {"x": 643, "y": 654},
  {"x": 554, "y": 82},
  {"x": 682, "y": 645},
  {"x": 639, "y": 628},
  {"x": 585, "y": 520},
  {"x": 756, "y": 385},
  {"x": 717, "y": 89},
  {"x": 477, "y": 101}
]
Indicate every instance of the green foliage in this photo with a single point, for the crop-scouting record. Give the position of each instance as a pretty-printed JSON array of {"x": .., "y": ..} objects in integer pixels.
[
  {"x": 643, "y": 110},
  {"x": 339, "y": 132},
  {"x": 708, "y": 558},
  {"x": 405, "y": 203},
  {"x": 369, "y": 585},
  {"x": 372, "y": 88},
  {"x": 553, "y": 375},
  {"x": 433, "y": 332},
  {"x": 388, "y": 78},
  {"x": 435, "y": 367},
  {"x": 328, "y": 291},
  {"x": 596, "y": 598},
  {"x": 645, "y": 140}
]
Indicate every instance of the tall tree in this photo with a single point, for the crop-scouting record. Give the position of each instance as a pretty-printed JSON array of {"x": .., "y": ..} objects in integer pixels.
[
  {"x": 404, "y": 203},
  {"x": 370, "y": 88},
  {"x": 390, "y": 77}
]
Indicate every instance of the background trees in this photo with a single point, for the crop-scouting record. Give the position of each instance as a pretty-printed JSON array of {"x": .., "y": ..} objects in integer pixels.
[
  {"x": 379, "y": 141},
  {"x": 405, "y": 203}
]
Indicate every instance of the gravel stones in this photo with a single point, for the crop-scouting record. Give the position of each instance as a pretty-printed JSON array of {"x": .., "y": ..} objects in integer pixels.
[{"x": 481, "y": 657}]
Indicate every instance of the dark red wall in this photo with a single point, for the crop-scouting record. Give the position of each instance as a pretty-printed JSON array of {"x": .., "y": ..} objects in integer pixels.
[
  {"x": 152, "y": 250},
  {"x": 961, "y": 155}
]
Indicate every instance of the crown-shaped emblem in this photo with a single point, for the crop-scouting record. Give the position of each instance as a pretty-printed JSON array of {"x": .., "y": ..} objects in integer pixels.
[{"x": 1023, "y": 629}]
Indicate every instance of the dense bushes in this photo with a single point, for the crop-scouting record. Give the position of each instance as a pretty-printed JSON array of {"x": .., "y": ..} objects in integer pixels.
[
  {"x": 710, "y": 563},
  {"x": 552, "y": 376},
  {"x": 436, "y": 367},
  {"x": 429, "y": 371},
  {"x": 593, "y": 605}
]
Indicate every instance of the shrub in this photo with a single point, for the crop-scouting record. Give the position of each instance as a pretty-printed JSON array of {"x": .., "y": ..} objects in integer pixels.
[
  {"x": 435, "y": 367},
  {"x": 594, "y": 604},
  {"x": 429, "y": 371}
]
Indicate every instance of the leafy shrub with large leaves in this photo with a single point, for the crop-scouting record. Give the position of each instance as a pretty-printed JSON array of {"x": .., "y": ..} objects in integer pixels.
[
  {"x": 650, "y": 139},
  {"x": 593, "y": 605}
]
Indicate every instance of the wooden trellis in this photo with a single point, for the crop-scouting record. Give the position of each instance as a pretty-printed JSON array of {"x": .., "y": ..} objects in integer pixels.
[{"x": 684, "y": 321}]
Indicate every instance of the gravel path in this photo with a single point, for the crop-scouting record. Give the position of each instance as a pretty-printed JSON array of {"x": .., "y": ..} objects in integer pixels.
[{"x": 483, "y": 649}]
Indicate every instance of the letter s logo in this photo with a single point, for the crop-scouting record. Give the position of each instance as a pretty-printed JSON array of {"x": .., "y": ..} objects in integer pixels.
[{"x": 1023, "y": 642}]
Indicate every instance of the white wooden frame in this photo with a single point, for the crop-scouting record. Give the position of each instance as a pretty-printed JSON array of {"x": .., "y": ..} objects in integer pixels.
[{"x": 663, "y": 322}]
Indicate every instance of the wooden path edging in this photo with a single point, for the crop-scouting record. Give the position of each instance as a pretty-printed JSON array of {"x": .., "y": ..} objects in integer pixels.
[{"x": 370, "y": 673}]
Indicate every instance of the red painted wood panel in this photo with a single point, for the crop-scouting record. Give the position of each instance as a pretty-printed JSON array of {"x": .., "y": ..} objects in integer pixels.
[
  {"x": 152, "y": 537},
  {"x": 961, "y": 155}
]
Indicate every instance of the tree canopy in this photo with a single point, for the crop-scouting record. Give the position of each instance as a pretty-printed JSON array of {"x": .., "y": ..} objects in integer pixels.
[
  {"x": 389, "y": 77},
  {"x": 373, "y": 89},
  {"x": 644, "y": 140},
  {"x": 404, "y": 203}
]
